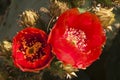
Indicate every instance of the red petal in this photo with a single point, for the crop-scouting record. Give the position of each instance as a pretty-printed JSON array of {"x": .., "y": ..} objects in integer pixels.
[
  {"x": 65, "y": 50},
  {"x": 43, "y": 56}
]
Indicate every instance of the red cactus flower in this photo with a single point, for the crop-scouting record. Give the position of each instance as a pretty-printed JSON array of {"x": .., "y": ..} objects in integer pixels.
[
  {"x": 77, "y": 38},
  {"x": 30, "y": 50}
]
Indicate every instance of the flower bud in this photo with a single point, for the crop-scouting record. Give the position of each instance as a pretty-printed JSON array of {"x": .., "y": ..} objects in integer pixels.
[
  {"x": 7, "y": 45},
  {"x": 70, "y": 70},
  {"x": 106, "y": 17},
  {"x": 58, "y": 7},
  {"x": 28, "y": 18}
]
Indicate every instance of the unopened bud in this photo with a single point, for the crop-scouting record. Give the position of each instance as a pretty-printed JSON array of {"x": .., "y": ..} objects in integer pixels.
[
  {"x": 7, "y": 45},
  {"x": 28, "y": 18},
  {"x": 58, "y": 7},
  {"x": 106, "y": 17},
  {"x": 70, "y": 71}
]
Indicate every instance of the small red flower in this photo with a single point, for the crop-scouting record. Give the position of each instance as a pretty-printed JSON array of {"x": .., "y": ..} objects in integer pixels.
[
  {"x": 30, "y": 50},
  {"x": 77, "y": 38}
]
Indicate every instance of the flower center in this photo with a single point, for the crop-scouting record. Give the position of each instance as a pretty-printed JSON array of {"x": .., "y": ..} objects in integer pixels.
[
  {"x": 77, "y": 37},
  {"x": 32, "y": 51}
]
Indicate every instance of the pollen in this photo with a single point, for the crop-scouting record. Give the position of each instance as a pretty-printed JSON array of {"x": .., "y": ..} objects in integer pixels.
[{"x": 76, "y": 37}]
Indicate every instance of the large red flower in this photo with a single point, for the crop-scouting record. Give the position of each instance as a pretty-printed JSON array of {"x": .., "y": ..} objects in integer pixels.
[
  {"x": 77, "y": 38},
  {"x": 30, "y": 50}
]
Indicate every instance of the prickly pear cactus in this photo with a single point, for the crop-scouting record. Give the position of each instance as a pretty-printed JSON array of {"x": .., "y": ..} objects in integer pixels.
[{"x": 17, "y": 15}]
